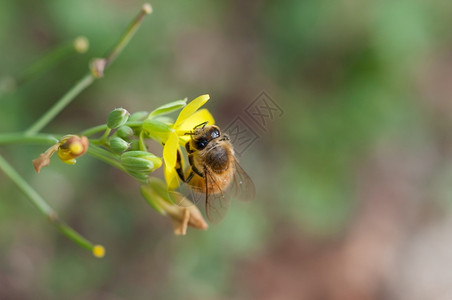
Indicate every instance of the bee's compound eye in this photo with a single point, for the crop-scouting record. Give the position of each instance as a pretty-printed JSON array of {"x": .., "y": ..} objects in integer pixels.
[
  {"x": 201, "y": 144},
  {"x": 215, "y": 134}
]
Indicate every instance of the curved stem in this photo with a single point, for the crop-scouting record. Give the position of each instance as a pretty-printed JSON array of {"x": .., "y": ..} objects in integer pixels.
[
  {"x": 42, "y": 205},
  {"x": 105, "y": 156},
  {"x": 60, "y": 104},
  {"x": 99, "y": 128},
  {"x": 21, "y": 138},
  {"x": 89, "y": 78},
  {"x": 46, "y": 62}
]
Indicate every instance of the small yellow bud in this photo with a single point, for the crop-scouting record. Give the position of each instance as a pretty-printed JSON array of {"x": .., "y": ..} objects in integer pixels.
[
  {"x": 147, "y": 8},
  {"x": 81, "y": 44},
  {"x": 76, "y": 148},
  {"x": 98, "y": 251}
]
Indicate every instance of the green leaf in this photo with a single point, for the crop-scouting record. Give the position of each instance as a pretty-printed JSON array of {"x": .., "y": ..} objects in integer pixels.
[{"x": 167, "y": 108}]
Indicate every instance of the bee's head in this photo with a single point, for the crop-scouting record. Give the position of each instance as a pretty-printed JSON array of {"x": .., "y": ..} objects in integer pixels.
[{"x": 203, "y": 134}]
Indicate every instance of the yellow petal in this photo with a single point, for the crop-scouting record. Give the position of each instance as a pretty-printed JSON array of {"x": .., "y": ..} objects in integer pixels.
[
  {"x": 195, "y": 119},
  {"x": 170, "y": 150},
  {"x": 172, "y": 180},
  {"x": 191, "y": 108},
  {"x": 71, "y": 161}
]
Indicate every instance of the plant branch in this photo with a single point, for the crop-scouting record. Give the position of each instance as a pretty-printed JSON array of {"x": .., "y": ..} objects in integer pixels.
[
  {"x": 21, "y": 138},
  {"x": 11, "y": 83},
  {"x": 42, "y": 206},
  {"x": 89, "y": 78},
  {"x": 105, "y": 156}
]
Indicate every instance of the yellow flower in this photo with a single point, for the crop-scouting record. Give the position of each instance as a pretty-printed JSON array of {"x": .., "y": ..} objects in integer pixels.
[
  {"x": 188, "y": 118},
  {"x": 173, "y": 135}
]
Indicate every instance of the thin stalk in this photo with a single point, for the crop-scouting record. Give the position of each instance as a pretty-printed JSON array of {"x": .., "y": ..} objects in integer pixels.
[
  {"x": 60, "y": 104},
  {"x": 99, "y": 128},
  {"x": 104, "y": 137},
  {"x": 78, "y": 45},
  {"x": 128, "y": 34},
  {"x": 42, "y": 206},
  {"x": 105, "y": 156},
  {"x": 21, "y": 138},
  {"x": 89, "y": 78},
  {"x": 45, "y": 63}
]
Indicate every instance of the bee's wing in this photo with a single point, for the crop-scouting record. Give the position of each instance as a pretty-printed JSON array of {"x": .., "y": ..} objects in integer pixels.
[
  {"x": 217, "y": 204},
  {"x": 242, "y": 187},
  {"x": 192, "y": 193}
]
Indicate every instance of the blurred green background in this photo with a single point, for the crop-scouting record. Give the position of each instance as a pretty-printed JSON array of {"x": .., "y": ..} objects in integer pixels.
[{"x": 353, "y": 180}]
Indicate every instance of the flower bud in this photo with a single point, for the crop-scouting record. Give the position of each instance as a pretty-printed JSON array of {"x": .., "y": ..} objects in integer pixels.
[
  {"x": 117, "y": 118},
  {"x": 118, "y": 145},
  {"x": 97, "y": 67},
  {"x": 124, "y": 132},
  {"x": 140, "y": 163},
  {"x": 81, "y": 44}
]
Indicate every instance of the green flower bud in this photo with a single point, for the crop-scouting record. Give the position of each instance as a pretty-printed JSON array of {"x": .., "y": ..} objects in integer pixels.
[
  {"x": 117, "y": 118},
  {"x": 139, "y": 115},
  {"x": 140, "y": 163},
  {"x": 118, "y": 145},
  {"x": 124, "y": 132}
]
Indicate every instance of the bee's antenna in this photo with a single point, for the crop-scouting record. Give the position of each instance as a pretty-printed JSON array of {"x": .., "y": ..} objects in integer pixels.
[{"x": 202, "y": 124}]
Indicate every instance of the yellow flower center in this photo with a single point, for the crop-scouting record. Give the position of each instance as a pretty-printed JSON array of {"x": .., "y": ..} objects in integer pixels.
[{"x": 99, "y": 251}]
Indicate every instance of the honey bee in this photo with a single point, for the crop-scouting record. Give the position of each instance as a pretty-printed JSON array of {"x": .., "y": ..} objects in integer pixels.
[{"x": 214, "y": 172}]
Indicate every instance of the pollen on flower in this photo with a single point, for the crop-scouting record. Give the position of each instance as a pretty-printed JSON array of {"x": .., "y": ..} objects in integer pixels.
[
  {"x": 76, "y": 148},
  {"x": 98, "y": 251},
  {"x": 71, "y": 147}
]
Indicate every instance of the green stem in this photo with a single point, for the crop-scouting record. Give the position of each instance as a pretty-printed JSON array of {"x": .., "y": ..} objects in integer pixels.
[
  {"x": 42, "y": 205},
  {"x": 78, "y": 45},
  {"x": 141, "y": 141},
  {"x": 89, "y": 78},
  {"x": 128, "y": 34},
  {"x": 105, "y": 156},
  {"x": 104, "y": 137},
  {"x": 96, "y": 129},
  {"x": 17, "y": 138},
  {"x": 60, "y": 104},
  {"x": 52, "y": 58}
]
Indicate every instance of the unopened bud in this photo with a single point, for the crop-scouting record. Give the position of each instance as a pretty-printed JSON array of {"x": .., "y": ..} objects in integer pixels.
[
  {"x": 118, "y": 145},
  {"x": 117, "y": 118},
  {"x": 97, "y": 67},
  {"x": 81, "y": 44},
  {"x": 140, "y": 163},
  {"x": 124, "y": 132}
]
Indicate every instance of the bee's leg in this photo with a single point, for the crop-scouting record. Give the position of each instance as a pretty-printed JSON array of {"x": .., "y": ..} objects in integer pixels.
[
  {"x": 188, "y": 148},
  {"x": 178, "y": 168},
  {"x": 193, "y": 167},
  {"x": 190, "y": 176}
]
